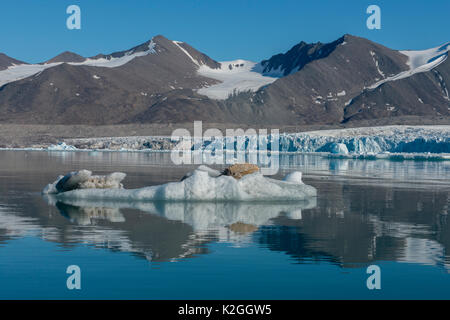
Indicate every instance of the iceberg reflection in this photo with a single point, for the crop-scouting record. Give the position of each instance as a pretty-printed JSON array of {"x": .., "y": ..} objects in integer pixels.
[
  {"x": 200, "y": 215},
  {"x": 168, "y": 231}
]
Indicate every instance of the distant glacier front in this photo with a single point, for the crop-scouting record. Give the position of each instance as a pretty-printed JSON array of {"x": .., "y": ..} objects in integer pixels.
[{"x": 427, "y": 142}]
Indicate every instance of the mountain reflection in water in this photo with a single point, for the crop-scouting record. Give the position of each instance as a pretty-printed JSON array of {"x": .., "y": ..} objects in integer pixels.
[
  {"x": 366, "y": 211},
  {"x": 182, "y": 227},
  {"x": 347, "y": 225}
]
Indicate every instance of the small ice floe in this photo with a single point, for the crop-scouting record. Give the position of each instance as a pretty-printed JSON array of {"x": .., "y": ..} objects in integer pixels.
[
  {"x": 62, "y": 146},
  {"x": 203, "y": 184},
  {"x": 84, "y": 179}
]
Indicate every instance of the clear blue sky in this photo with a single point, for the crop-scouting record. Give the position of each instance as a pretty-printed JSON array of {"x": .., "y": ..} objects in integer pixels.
[{"x": 35, "y": 30}]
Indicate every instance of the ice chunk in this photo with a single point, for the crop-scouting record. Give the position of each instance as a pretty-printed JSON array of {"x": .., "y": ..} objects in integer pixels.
[
  {"x": 84, "y": 179},
  {"x": 51, "y": 187},
  {"x": 200, "y": 185},
  {"x": 211, "y": 172},
  {"x": 339, "y": 148},
  {"x": 295, "y": 177},
  {"x": 62, "y": 146}
]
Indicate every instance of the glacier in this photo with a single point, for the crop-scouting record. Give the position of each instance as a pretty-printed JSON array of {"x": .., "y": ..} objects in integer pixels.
[
  {"x": 234, "y": 76},
  {"x": 387, "y": 142},
  {"x": 427, "y": 141}
]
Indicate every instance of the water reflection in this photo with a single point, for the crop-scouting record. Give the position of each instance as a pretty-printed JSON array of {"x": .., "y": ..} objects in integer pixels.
[
  {"x": 357, "y": 225},
  {"x": 205, "y": 222},
  {"x": 366, "y": 211},
  {"x": 348, "y": 225}
]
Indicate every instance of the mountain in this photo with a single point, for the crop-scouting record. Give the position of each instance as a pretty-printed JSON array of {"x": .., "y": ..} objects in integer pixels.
[
  {"x": 348, "y": 81},
  {"x": 105, "y": 89},
  {"x": 350, "y": 73},
  {"x": 6, "y": 62},
  {"x": 67, "y": 56},
  {"x": 421, "y": 91},
  {"x": 296, "y": 58}
]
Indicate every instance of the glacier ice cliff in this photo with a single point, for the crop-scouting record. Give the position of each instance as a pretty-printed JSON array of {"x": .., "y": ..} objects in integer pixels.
[{"x": 354, "y": 141}]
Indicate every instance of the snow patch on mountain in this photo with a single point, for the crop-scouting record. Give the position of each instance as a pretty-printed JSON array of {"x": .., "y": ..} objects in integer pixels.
[
  {"x": 235, "y": 76},
  {"x": 418, "y": 62},
  {"x": 22, "y": 71},
  {"x": 18, "y": 72},
  {"x": 177, "y": 43},
  {"x": 420, "y": 58},
  {"x": 116, "y": 62}
]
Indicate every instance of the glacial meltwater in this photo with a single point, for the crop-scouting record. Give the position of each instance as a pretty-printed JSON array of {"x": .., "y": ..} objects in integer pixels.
[{"x": 384, "y": 212}]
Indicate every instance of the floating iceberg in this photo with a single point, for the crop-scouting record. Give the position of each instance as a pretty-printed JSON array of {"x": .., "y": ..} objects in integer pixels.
[
  {"x": 84, "y": 179},
  {"x": 203, "y": 184}
]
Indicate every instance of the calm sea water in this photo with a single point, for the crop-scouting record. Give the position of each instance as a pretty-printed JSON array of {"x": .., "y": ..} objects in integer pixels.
[{"x": 393, "y": 214}]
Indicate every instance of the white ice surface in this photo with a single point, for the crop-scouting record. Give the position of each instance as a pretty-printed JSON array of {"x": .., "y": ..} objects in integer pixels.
[
  {"x": 62, "y": 146},
  {"x": 22, "y": 71},
  {"x": 202, "y": 186},
  {"x": 420, "y": 58},
  {"x": 339, "y": 148},
  {"x": 409, "y": 142},
  {"x": 238, "y": 79}
]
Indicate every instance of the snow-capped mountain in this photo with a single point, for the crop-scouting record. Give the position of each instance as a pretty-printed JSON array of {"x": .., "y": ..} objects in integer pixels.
[{"x": 349, "y": 80}]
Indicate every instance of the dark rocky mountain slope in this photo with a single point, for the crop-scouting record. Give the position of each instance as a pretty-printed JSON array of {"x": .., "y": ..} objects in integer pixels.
[
  {"x": 157, "y": 82},
  {"x": 6, "y": 61}
]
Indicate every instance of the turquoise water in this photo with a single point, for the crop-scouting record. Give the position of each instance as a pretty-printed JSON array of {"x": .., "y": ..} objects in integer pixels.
[{"x": 368, "y": 212}]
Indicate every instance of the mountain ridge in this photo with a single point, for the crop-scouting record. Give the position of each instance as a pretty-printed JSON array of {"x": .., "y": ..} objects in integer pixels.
[
  {"x": 165, "y": 81},
  {"x": 6, "y": 61}
]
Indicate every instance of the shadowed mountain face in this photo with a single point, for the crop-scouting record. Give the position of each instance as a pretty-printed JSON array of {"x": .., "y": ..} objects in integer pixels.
[
  {"x": 342, "y": 82},
  {"x": 297, "y": 57}
]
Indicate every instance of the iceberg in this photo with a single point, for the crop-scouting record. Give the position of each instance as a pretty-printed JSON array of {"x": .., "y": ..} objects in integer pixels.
[
  {"x": 203, "y": 184},
  {"x": 84, "y": 179}
]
